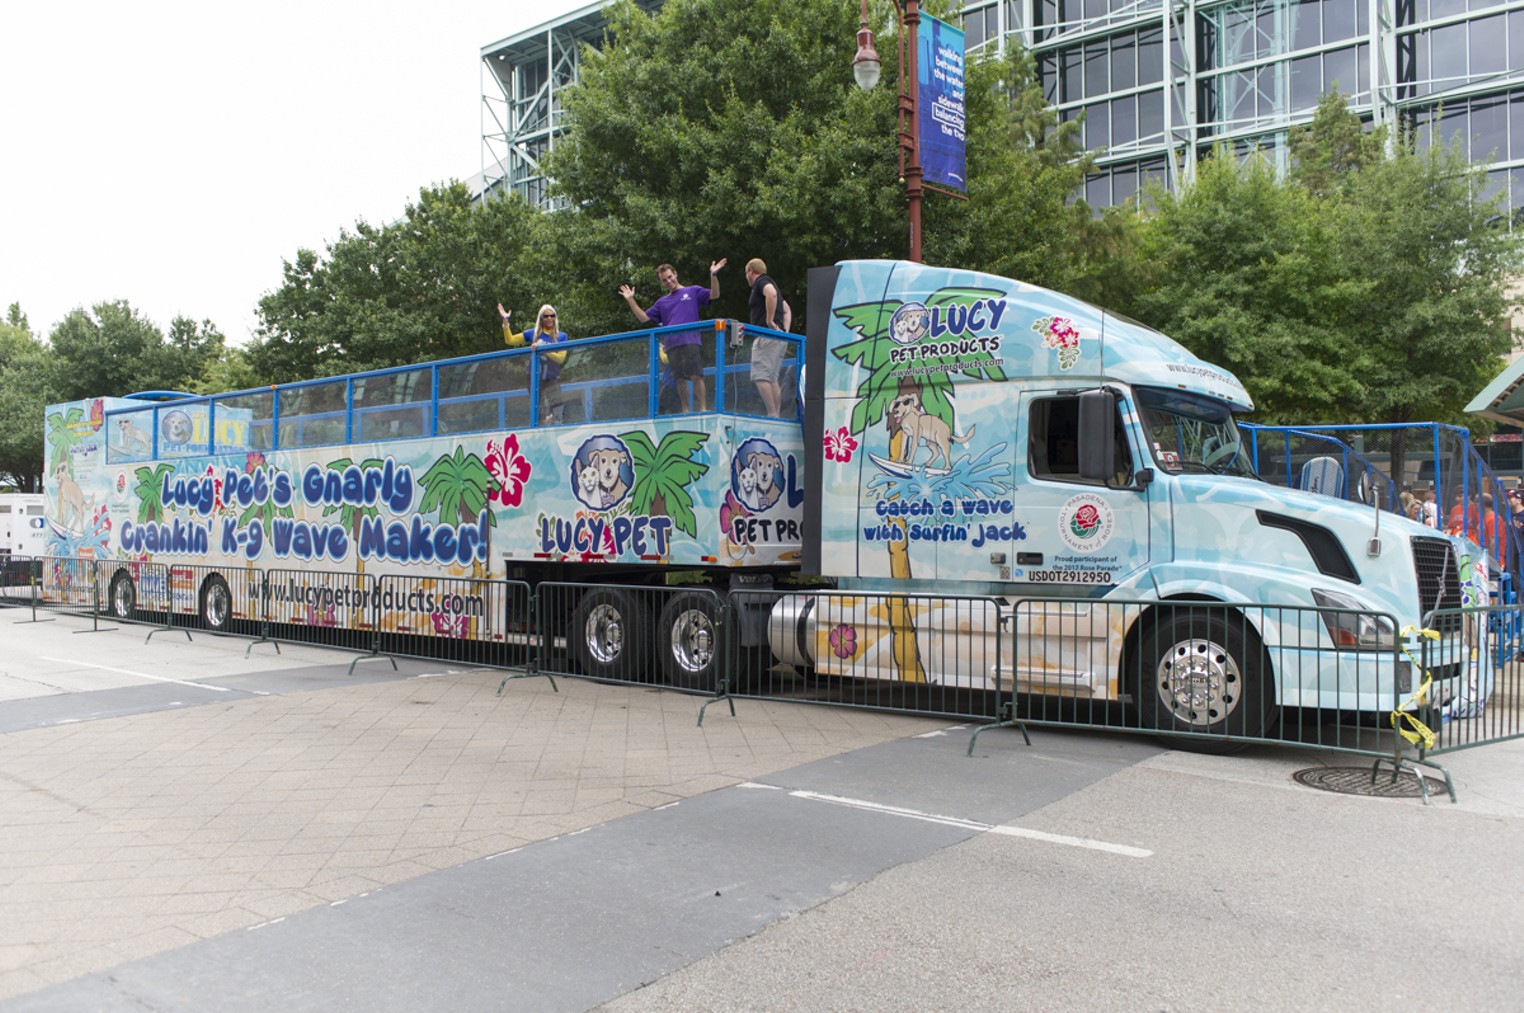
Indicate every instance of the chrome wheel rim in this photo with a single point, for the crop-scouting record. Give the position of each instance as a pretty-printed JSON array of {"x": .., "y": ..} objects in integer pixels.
[
  {"x": 122, "y": 596},
  {"x": 604, "y": 633},
  {"x": 693, "y": 640},
  {"x": 1199, "y": 682},
  {"x": 218, "y": 605}
]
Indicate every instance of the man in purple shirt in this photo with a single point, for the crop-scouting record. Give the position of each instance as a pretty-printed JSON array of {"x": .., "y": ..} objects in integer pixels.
[{"x": 681, "y": 305}]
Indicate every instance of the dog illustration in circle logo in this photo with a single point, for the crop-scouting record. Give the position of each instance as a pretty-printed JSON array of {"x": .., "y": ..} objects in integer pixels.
[
  {"x": 756, "y": 474},
  {"x": 175, "y": 428},
  {"x": 910, "y": 323},
  {"x": 601, "y": 473}
]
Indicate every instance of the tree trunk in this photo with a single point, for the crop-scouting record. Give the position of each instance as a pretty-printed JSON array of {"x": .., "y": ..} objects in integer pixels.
[{"x": 905, "y": 647}]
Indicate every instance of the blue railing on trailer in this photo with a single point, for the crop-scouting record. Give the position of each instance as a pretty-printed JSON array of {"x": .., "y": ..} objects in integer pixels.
[{"x": 476, "y": 393}]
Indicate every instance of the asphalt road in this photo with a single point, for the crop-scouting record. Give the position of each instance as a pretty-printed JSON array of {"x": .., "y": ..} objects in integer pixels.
[{"x": 812, "y": 871}]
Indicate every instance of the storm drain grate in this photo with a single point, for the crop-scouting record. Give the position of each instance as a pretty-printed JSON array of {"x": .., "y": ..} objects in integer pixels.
[{"x": 1357, "y": 781}]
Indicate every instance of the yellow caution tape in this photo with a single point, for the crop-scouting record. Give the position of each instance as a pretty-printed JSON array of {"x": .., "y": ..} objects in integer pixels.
[{"x": 1416, "y": 732}]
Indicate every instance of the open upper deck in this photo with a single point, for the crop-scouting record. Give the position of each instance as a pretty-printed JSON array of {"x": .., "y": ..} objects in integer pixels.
[{"x": 610, "y": 378}]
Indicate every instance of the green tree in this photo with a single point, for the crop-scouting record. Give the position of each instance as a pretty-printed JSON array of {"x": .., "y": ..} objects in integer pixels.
[
  {"x": 229, "y": 371},
  {"x": 1333, "y": 148},
  {"x": 1244, "y": 273},
  {"x": 425, "y": 286},
  {"x": 189, "y": 351},
  {"x": 24, "y": 395},
  {"x": 1427, "y": 267},
  {"x": 746, "y": 138},
  {"x": 114, "y": 350}
]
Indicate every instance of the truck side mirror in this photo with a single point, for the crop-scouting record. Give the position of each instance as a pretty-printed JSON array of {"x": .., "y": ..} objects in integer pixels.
[{"x": 1097, "y": 435}]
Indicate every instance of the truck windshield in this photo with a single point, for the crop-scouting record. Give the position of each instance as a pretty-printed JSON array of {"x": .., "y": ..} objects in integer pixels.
[{"x": 1189, "y": 433}]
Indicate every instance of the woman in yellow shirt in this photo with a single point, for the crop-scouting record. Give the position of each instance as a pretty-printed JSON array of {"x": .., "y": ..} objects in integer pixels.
[{"x": 546, "y": 331}]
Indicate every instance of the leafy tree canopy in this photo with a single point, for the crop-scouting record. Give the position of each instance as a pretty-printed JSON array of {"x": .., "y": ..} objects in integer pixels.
[
  {"x": 1370, "y": 285},
  {"x": 750, "y": 138},
  {"x": 425, "y": 286},
  {"x": 24, "y": 393},
  {"x": 114, "y": 350}
]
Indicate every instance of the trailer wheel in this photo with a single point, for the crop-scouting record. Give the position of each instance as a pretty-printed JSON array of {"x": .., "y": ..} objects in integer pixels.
[
  {"x": 609, "y": 634},
  {"x": 216, "y": 603},
  {"x": 124, "y": 595},
  {"x": 688, "y": 640},
  {"x": 1204, "y": 671}
]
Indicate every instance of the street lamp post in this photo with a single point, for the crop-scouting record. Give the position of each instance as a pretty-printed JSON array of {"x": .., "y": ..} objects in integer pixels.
[{"x": 866, "y": 68}]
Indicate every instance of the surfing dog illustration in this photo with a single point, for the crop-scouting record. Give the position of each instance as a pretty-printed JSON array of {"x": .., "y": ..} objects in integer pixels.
[
  {"x": 918, "y": 427},
  {"x": 71, "y": 499}
]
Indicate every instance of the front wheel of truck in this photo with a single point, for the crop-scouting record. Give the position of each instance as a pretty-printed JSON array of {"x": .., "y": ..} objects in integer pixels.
[{"x": 1202, "y": 670}]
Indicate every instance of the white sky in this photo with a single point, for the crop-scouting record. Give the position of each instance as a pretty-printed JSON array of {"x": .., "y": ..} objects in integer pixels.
[{"x": 173, "y": 153}]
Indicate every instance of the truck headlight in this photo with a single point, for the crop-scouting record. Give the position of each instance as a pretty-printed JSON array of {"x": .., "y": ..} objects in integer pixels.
[{"x": 1356, "y": 629}]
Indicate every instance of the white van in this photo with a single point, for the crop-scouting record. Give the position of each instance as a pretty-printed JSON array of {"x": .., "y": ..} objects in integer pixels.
[{"x": 23, "y": 530}]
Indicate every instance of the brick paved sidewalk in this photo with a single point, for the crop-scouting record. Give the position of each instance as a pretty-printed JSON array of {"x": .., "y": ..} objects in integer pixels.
[{"x": 129, "y": 836}]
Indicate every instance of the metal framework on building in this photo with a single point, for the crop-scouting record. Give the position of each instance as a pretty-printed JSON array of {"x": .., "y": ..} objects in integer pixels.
[
  {"x": 522, "y": 77},
  {"x": 1159, "y": 82}
]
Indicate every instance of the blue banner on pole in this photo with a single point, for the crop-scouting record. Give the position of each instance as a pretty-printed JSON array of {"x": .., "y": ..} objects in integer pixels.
[{"x": 939, "y": 103}]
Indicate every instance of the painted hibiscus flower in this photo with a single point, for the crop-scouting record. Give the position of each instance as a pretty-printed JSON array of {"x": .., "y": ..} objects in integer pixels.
[
  {"x": 839, "y": 445},
  {"x": 510, "y": 471},
  {"x": 1059, "y": 333},
  {"x": 255, "y": 459},
  {"x": 844, "y": 641},
  {"x": 212, "y": 473},
  {"x": 731, "y": 510},
  {"x": 447, "y": 625}
]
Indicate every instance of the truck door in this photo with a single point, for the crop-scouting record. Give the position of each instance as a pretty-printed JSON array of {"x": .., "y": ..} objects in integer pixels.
[{"x": 1078, "y": 532}]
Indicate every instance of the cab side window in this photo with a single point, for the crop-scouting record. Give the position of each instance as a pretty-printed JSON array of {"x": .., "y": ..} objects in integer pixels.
[{"x": 1053, "y": 447}]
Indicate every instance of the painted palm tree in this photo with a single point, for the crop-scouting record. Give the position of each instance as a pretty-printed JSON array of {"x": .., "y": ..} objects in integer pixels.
[
  {"x": 351, "y": 515},
  {"x": 62, "y": 427},
  {"x": 456, "y": 487},
  {"x": 663, "y": 473},
  {"x": 880, "y": 385},
  {"x": 149, "y": 492},
  {"x": 263, "y": 512}
]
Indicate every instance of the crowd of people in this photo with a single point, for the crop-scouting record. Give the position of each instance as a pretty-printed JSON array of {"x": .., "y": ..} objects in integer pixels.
[
  {"x": 682, "y": 384},
  {"x": 1478, "y": 518}
]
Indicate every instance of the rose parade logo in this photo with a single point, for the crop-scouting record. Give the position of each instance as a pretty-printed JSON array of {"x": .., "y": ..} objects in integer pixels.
[{"x": 1085, "y": 523}]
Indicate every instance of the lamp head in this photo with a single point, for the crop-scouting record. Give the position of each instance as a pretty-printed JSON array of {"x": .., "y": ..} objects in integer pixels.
[{"x": 866, "y": 66}]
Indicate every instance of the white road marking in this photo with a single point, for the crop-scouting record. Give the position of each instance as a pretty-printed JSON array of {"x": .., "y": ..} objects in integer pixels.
[
  {"x": 954, "y": 821},
  {"x": 1074, "y": 842},
  {"x": 940, "y": 732},
  {"x": 142, "y": 675}
]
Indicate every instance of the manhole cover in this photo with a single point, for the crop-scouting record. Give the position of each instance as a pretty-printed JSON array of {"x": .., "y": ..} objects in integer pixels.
[{"x": 1357, "y": 781}]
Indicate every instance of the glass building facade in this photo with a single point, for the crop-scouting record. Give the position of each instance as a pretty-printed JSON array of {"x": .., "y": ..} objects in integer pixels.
[{"x": 1158, "y": 83}]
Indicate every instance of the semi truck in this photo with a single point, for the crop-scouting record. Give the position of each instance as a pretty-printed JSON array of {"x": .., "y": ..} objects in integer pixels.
[{"x": 966, "y": 441}]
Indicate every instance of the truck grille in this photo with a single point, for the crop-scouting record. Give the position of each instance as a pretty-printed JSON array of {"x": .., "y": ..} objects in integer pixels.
[{"x": 1438, "y": 579}]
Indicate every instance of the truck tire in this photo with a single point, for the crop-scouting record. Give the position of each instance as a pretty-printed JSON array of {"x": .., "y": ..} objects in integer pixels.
[
  {"x": 124, "y": 596},
  {"x": 1204, "y": 671},
  {"x": 687, "y": 638},
  {"x": 608, "y": 635},
  {"x": 216, "y": 604}
]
